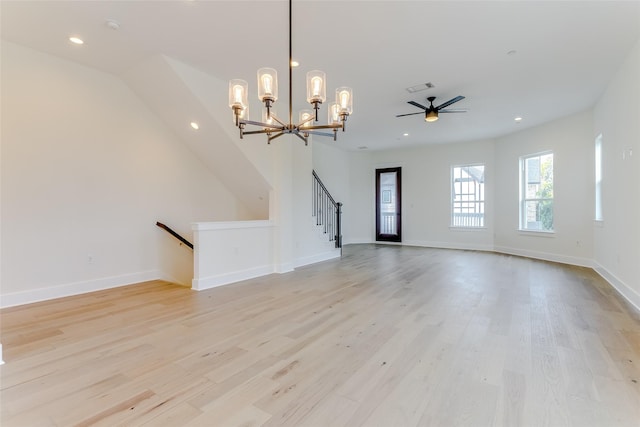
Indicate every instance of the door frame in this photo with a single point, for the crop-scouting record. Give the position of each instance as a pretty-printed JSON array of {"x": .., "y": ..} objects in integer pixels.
[{"x": 390, "y": 237}]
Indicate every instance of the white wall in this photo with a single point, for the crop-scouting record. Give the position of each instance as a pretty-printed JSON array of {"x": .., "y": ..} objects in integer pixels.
[
  {"x": 86, "y": 171},
  {"x": 212, "y": 94},
  {"x": 571, "y": 141},
  {"x": 617, "y": 238},
  {"x": 310, "y": 243},
  {"x": 176, "y": 94},
  {"x": 348, "y": 177},
  {"x": 331, "y": 163},
  {"x": 426, "y": 193},
  {"x": 359, "y": 206},
  {"x": 228, "y": 252},
  {"x": 305, "y": 240}
]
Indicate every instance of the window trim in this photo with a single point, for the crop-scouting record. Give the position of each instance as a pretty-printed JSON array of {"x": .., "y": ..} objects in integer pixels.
[
  {"x": 598, "y": 213},
  {"x": 482, "y": 202},
  {"x": 523, "y": 192},
  {"x": 537, "y": 233}
]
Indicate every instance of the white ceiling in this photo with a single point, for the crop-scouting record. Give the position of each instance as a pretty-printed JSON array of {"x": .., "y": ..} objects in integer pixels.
[{"x": 566, "y": 52}]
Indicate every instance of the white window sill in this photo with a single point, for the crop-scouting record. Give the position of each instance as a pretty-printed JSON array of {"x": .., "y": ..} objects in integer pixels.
[
  {"x": 457, "y": 228},
  {"x": 536, "y": 233}
]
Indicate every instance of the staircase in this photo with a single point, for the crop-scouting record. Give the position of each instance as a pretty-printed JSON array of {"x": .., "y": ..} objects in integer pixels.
[{"x": 326, "y": 211}]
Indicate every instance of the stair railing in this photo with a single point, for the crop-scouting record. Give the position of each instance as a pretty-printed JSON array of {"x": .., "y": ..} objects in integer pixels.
[
  {"x": 326, "y": 211},
  {"x": 174, "y": 234}
]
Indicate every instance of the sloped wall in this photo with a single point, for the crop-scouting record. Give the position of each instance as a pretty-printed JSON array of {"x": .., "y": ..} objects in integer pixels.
[
  {"x": 212, "y": 96},
  {"x": 87, "y": 170},
  {"x": 174, "y": 92}
]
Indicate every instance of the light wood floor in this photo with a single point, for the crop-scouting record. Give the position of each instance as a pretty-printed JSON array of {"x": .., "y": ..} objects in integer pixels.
[{"x": 387, "y": 336}]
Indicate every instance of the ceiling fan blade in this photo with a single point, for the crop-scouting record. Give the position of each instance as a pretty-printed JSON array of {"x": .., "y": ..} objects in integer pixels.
[
  {"x": 449, "y": 102},
  {"x": 417, "y": 105},
  {"x": 452, "y": 111},
  {"x": 409, "y": 114}
]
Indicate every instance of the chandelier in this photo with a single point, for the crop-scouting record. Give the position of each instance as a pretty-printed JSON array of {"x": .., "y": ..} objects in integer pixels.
[{"x": 274, "y": 127}]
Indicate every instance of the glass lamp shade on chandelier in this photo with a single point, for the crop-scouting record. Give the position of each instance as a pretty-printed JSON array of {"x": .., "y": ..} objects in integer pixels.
[{"x": 274, "y": 127}]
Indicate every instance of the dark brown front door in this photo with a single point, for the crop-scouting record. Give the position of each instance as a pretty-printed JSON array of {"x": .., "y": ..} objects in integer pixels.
[{"x": 388, "y": 212}]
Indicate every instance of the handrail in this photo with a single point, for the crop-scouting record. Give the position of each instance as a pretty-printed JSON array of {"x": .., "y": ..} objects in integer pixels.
[
  {"x": 315, "y": 175},
  {"x": 174, "y": 234},
  {"x": 327, "y": 211}
]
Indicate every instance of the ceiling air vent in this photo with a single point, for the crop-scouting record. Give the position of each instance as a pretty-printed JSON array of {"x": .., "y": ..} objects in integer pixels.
[{"x": 418, "y": 88}]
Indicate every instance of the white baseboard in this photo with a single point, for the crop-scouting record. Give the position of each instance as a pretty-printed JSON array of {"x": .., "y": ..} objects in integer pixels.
[
  {"x": 545, "y": 256},
  {"x": 228, "y": 278},
  {"x": 449, "y": 245},
  {"x": 325, "y": 256},
  {"x": 284, "y": 267},
  {"x": 563, "y": 259},
  {"x": 356, "y": 241},
  {"x": 251, "y": 273},
  {"x": 43, "y": 294},
  {"x": 169, "y": 278},
  {"x": 1, "y": 359},
  {"x": 625, "y": 290}
]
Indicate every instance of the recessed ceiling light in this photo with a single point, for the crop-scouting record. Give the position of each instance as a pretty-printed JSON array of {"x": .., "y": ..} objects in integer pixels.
[
  {"x": 518, "y": 119},
  {"x": 195, "y": 125},
  {"x": 76, "y": 40},
  {"x": 405, "y": 134},
  {"x": 295, "y": 63},
  {"x": 113, "y": 24}
]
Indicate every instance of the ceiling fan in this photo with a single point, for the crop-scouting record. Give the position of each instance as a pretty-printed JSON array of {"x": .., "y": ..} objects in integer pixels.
[{"x": 431, "y": 112}]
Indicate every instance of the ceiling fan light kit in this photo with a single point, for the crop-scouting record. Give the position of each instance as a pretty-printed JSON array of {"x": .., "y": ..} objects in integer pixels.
[
  {"x": 431, "y": 116},
  {"x": 271, "y": 125}
]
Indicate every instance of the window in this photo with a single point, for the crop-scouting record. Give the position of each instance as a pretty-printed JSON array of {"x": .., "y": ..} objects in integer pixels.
[
  {"x": 536, "y": 192},
  {"x": 467, "y": 196},
  {"x": 598, "y": 195}
]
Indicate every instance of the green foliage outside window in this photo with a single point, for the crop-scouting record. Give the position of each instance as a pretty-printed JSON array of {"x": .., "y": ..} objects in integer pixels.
[
  {"x": 536, "y": 208},
  {"x": 546, "y": 192}
]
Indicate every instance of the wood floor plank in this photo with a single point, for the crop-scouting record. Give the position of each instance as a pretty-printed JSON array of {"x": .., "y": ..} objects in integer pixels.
[
  {"x": 179, "y": 415},
  {"x": 385, "y": 336},
  {"x": 511, "y": 402}
]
